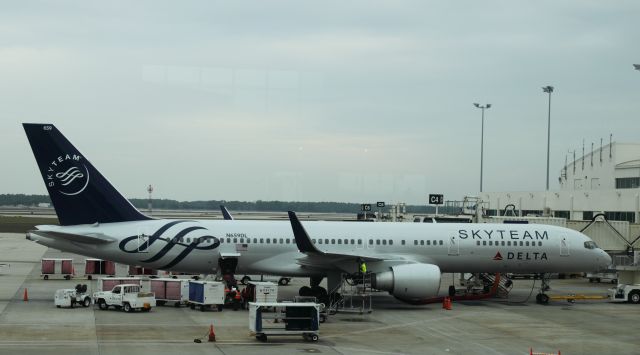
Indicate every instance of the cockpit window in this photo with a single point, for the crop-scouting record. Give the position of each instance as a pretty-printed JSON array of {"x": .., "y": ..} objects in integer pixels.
[{"x": 590, "y": 245}]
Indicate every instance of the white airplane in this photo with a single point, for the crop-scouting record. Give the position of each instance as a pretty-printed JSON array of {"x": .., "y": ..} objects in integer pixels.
[{"x": 405, "y": 259}]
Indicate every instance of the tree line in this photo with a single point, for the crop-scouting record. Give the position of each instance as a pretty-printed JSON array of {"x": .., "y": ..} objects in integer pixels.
[{"x": 255, "y": 206}]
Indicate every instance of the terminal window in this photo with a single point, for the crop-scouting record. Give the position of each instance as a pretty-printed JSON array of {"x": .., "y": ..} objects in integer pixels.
[{"x": 628, "y": 183}]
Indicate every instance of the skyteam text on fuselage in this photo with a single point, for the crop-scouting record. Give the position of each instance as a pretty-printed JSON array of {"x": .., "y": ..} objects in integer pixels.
[{"x": 406, "y": 259}]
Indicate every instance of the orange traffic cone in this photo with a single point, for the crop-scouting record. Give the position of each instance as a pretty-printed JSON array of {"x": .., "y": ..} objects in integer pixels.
[
  {"x": 448, "y": 304},
  {"x": 212, "y": 334},
  {"x": 26, "y": 296},
  {"x": 444, "y": 303}
]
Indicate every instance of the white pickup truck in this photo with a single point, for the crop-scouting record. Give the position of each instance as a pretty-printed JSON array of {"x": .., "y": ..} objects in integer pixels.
[{"x": 129, "y": 297}]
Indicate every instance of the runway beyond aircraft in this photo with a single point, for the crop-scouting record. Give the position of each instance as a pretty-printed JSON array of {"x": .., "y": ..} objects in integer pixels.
[{"x": 406, "y": 259}]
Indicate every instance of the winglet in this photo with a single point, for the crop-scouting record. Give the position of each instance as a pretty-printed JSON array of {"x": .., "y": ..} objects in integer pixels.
[
  {"x": 225, "y": 213},
  {"x": 302, "y": 238}
]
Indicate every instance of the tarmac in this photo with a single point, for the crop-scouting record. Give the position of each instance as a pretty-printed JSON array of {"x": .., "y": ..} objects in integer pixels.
[{"x": 496, "y": 326}]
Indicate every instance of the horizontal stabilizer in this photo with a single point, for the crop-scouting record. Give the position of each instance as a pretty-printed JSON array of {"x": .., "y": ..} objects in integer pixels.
[{"x": 91, "y": 238}]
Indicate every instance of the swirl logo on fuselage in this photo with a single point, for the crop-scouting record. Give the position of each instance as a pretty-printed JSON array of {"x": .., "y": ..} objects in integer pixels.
[
  {"x": 139, "y": 244},
  {"x": 67, "y": 174}
]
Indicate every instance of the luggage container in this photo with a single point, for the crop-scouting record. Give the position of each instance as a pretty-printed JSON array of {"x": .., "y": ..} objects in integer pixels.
[
  {"x": 257, "y": 291},
  {"x": 170, "y": 290},
  {"x": 141, "y": 271},
  {"x": 57, "y": 268},
  {"x": 206, "y": 294},
  {"x": 288, "y": 319},
  {"x": 107, "y": 283},
  {"x": 99, "y": 267}
]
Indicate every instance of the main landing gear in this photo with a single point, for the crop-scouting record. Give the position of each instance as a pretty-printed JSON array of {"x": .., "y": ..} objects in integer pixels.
[{"x": 542, "y": 297}]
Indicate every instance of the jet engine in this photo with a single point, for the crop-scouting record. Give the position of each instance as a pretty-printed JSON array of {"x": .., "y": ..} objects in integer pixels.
[{"x": 409, "y": 282}]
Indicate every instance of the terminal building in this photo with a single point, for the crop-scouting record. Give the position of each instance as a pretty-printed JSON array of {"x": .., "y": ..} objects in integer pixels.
[
  {"x": 599, "y": 195},
  {"x": 605, "y": 181}
]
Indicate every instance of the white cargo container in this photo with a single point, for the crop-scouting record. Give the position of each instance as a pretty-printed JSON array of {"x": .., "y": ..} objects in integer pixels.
[
  {"x": 57, "y": 268},
  {"x": 170, "y": 290},
  {"x": 206, "y": 294},
  {"x": 108, "y": 283},
  {"x": 265, "y": 292}
]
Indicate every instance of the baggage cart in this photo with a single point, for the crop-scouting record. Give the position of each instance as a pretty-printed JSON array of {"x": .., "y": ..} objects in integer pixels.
[
  {"x": 98, "y": 267},
  {"x": 142, "y": 271},
  {"x": 57, "y": 268},
  {"x": 206, "y": 294},
  {"x": 170, "y": 290},
  {"x": 280, "y": 319}
]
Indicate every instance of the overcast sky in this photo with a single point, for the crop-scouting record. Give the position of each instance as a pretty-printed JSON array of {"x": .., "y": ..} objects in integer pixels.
[{"x": 351, "y": 101}]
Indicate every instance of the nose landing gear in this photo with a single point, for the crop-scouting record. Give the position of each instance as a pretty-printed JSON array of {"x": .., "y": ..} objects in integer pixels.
[{"x": 542, "y": 297}]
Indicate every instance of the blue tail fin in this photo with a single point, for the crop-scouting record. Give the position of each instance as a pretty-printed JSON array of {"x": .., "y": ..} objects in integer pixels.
[{"x": 80, "y": 194}]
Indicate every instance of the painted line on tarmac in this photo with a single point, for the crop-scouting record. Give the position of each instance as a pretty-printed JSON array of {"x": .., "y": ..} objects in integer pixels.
[{"x": 401, "y": 325}]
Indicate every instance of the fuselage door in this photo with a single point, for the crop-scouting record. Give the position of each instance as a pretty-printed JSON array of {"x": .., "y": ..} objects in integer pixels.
[
  {"x": 564, "y": 246},
  {"x": 454, "y": 246},
  {"x": 143, "y": 241}
]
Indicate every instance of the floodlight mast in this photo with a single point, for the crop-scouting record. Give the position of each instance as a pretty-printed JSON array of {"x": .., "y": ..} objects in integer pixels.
[
  {"x": 548, "y": 89},
  {"x": 482, "y": 107}
]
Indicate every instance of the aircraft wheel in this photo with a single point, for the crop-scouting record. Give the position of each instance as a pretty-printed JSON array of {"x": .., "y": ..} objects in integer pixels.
[
  {"x": 102, "y": 304},
  {"x": 305, "y": 291},
  {"x": 544, "y": 299}
]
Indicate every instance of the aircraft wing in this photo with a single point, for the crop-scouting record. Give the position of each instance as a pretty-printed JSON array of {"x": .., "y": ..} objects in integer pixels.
[
  {"x": 91, "y": 238},
  {"x": 314, "y": 256}
]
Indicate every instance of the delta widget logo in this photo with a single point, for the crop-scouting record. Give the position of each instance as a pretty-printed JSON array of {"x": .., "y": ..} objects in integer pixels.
[{"x": 67, "y": 174}]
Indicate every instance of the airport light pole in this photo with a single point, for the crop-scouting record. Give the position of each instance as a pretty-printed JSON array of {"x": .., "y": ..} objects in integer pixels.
[
  {"x": 482, "y": 107},
  {"x": 548, "y": 89}
]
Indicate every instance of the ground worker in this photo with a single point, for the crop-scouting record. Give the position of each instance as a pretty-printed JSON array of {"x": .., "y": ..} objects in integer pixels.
[
  {"x": 237, "y": 300},
  {"x": 363, "y": 267}
]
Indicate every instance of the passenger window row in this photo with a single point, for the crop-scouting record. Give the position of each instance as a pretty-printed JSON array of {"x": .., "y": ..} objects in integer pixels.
[
  {"x": 327, "y": 241},
  {"x": 428, "y": 242},
  {"x": 507, "y": 243}
]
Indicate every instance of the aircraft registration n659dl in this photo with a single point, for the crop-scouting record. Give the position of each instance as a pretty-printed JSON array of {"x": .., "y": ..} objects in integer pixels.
[{"x": 406, "y": 259}]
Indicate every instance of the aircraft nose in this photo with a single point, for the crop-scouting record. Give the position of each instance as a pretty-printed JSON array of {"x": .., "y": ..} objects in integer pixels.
[{"x": 606, "y": 257}]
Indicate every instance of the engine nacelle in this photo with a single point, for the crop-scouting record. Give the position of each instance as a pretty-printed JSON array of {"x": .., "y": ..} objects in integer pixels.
[{"x": 409, "y": 282}]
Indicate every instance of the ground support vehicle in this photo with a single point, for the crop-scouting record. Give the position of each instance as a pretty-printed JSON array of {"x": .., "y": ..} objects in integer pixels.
[
  {"x": 603, "y": 276},
  {"x": 282, "y": 281},
  {"x": 206, "y": 295},
  {"x": 129, "y": 297},
  {"x": 72, "y": 296},
  {"x": 273, "y": 318},
  {"x": 625, "y": 293},
  {"x": 171, "y": 290},
  {"x": 57, "y": 268},
  {"x": 108, "y": 283}
]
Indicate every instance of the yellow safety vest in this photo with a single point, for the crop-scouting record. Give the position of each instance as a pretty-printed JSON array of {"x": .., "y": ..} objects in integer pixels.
[{"x": 363, "y": 268}]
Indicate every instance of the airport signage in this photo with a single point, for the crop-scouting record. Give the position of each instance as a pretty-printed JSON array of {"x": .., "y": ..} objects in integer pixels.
[
  {"x": 380, "y": 204},
  {"x": 365, "y": 207},
  {"x": 436, "y": 199}
]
